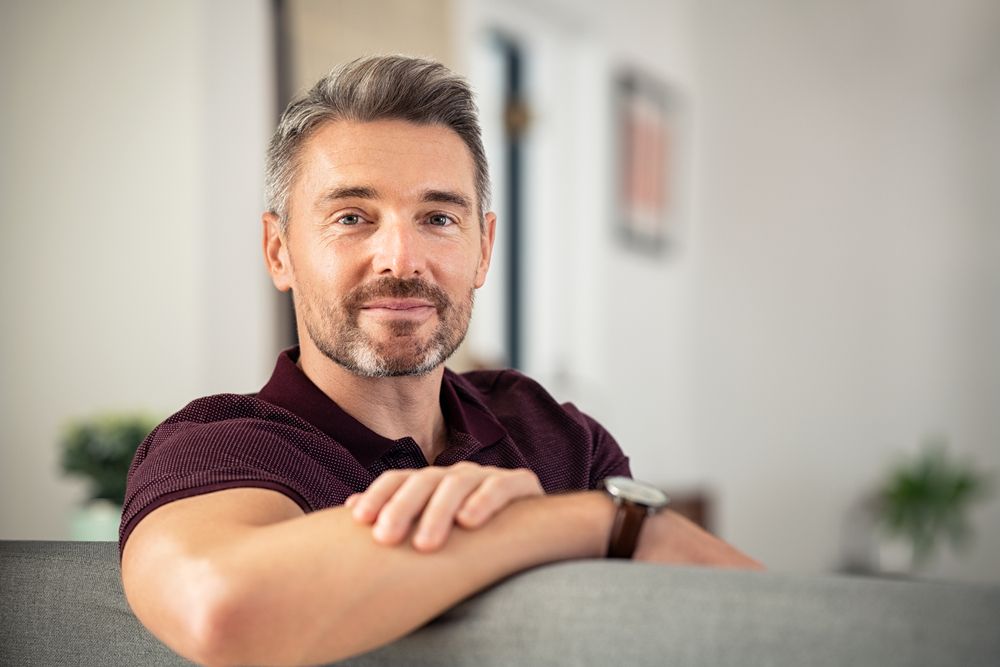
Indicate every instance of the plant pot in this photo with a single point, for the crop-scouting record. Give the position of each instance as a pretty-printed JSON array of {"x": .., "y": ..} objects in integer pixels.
[{"x": 97, "y": 521}]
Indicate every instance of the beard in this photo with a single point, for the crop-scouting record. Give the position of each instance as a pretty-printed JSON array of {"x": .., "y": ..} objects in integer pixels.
[{"x": 337, "y": 333}]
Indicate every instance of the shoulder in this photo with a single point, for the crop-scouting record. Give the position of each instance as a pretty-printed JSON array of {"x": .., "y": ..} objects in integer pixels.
[
  {"x": 501, "y": 386},
  {"x": 510, "y": 394},
  {"x": 232, "y": 410},
  {"x": 221, "y": 421},
  {"x": 225, "y": 407}
]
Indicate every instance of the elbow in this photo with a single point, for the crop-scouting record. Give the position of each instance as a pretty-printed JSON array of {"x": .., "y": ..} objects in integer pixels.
[
  {"x": 209, "y": 629},
  {"x": 210, "y": 620},
  {"x": 207, "y": 645},
  {"x": 233, "y": 625},
  {"x": 190, "y": 607},
  {"x": 215, "y": 614}
]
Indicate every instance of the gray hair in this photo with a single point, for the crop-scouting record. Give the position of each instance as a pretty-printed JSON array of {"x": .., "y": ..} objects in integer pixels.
[{"x": 370, "y": 89}]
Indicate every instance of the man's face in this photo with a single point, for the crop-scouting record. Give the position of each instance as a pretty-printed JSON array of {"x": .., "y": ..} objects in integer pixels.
[{"x": 384, "y": 248}]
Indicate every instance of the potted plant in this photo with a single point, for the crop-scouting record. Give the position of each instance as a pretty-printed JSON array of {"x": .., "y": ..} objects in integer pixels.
[
  {"x": 100, "y": 449},
  {"x": 924, "y": 504}
]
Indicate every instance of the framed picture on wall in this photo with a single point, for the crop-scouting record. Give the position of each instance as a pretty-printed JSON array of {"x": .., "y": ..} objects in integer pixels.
[{"x": 647, "y": 146}]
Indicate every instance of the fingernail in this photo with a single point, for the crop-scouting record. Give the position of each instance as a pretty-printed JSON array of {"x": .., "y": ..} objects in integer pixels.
[
  {"x": 423, "y": 539},
  {"x": 381, "y": 532}
]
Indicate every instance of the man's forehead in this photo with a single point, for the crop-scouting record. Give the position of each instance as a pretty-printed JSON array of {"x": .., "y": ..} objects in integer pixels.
[
  {"x": 349, "y": 142},
  {"x": 386, "y": 155}
]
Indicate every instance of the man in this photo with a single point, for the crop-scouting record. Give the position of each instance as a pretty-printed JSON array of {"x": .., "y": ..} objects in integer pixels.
[{"x": 286, "y": 527}]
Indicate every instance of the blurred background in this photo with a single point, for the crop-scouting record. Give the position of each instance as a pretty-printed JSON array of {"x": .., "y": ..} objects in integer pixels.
[{"x": 773, "y": 325}]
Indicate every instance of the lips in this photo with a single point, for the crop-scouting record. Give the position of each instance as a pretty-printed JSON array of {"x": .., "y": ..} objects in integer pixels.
[
  {"x": 398, "y": 304},
  {"x": 404, "y": 297}
]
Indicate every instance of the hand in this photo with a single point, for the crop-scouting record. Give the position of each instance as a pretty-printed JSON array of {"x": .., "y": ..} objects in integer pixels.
[
  {"x": 668, "y": 537},
  {"x": 465, "y": 493}
]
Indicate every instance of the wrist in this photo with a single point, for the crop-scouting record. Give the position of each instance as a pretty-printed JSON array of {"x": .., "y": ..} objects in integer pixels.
[
  {"x": 634, "y": 502},
  {"x": 604, "y": 511},
  {"x": 591, "y": 516}
]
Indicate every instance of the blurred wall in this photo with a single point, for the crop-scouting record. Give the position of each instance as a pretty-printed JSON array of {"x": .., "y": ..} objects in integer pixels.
[
  {"x": 131, "y": 151},
  {"x": 847, "y": 293},
  {"x": 326, "y": 33},
  {"x": 832, "y": 299}
]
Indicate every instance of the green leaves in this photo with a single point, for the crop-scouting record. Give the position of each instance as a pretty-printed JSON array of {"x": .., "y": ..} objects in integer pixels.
[
  {"x": 101, "y": 450},
  {"x": 926, "y": 501}
]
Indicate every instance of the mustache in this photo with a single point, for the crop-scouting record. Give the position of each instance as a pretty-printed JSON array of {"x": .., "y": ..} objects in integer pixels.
[{"x": 398, "y": 288}]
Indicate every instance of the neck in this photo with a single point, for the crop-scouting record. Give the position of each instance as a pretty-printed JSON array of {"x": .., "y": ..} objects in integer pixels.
[{"x": 394, "y": 407}]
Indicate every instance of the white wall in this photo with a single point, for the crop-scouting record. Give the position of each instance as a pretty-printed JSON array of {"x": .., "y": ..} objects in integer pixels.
[
  {"x": 847, "y": 297},
  {"x": 131, "y": 156}
]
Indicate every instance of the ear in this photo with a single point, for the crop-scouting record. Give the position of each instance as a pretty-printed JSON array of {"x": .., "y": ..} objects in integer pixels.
[
  {"x": 276, "y": 253},
  {"x": 486, "y": 238}
]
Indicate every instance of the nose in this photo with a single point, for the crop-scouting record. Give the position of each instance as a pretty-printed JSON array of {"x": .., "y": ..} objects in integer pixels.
[{"x": 398, "y": 250}]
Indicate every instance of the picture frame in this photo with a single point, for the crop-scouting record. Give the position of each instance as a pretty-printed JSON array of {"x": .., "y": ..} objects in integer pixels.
[{"x": 648, "y": 145}]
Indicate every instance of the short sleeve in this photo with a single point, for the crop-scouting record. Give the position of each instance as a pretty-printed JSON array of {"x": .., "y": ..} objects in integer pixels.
[
  {"x": 606, "y": 457},
  {"x": 183, "y": 458}
]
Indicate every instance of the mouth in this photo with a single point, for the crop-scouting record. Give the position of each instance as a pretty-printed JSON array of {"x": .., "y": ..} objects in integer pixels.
[
  {"x": 393, "y": 301},
  {"x": 399, "y": 305},
  {"x": 416, "y": 311}
]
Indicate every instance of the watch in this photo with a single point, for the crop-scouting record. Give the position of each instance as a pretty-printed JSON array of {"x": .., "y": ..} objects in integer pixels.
[{"x": 635, "y": 501}]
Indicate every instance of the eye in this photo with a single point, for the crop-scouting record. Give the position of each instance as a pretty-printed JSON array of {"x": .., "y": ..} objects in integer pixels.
[
  {"x": 349, "y": 220},
  {"x": 440, "y": 220}
]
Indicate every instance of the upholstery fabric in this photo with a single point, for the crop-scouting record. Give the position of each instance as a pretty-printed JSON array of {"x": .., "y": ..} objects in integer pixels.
[{"x": 62, "y": 604}]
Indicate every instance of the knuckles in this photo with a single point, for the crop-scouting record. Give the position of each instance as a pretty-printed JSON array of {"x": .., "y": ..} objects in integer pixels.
[
  {"x": 480, "y": 490},
  {"x": 395, "y": 474}
]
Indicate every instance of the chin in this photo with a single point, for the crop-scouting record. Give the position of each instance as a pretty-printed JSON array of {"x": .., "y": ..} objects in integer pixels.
[{"x": 366, "y": 362}]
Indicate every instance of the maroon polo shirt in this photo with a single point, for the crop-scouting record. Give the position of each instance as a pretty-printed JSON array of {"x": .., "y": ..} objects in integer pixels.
[{"x": 290, "y": 437}]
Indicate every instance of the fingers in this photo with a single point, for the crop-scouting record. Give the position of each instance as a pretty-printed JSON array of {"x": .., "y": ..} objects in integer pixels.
[
  {"x": 398, "y": 512},
  {"x": 439, "y": 515},
  {"x": 366, "y": 506},
  {"x": 439, "y": 497},
  {"x": 411, "y": 499},
  {"x": 495, "y": 493}
]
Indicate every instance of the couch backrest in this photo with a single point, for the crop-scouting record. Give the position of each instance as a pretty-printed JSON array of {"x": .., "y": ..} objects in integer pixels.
[{"x": 61, "y": 603}]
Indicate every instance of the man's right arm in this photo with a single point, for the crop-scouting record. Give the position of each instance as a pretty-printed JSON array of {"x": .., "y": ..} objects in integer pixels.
[{"x": 242, "y": 576}]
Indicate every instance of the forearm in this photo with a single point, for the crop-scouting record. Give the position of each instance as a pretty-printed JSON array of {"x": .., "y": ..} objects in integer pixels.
[{"x": 318, "y": 588}]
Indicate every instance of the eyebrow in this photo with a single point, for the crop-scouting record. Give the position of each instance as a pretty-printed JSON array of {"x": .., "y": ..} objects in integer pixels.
[
  {"x": 368, "y": 192},
  {"x": 447, "y": 197},
  {"x": 351, "y": 192}
]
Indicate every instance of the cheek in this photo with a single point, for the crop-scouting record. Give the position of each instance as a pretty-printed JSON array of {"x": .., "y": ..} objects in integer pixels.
[
  {"x": 460, "y": 275},
  {"x": 322, "y": 273}
]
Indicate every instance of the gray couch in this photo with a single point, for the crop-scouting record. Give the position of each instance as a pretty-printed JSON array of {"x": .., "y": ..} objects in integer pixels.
[{"x": 61, "y": 603}]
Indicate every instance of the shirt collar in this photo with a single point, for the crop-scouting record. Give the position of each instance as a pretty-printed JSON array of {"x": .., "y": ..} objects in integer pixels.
[{"x": 291, "y": 389}]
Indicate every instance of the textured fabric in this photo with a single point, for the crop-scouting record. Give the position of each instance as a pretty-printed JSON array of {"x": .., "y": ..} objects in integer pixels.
[
  {"x": 61, "y": 604},
  {"x": 292, "y": 438}
]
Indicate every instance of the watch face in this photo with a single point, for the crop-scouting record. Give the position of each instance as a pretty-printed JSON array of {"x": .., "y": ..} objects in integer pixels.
[{"x": 636, "y": 492}]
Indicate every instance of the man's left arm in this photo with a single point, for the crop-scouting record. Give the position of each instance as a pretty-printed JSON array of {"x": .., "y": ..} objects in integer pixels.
[{"x": 437, "y": 499}]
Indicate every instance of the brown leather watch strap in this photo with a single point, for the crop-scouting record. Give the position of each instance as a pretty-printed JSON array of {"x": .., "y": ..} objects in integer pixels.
[{"x": 625, "y": 531}]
